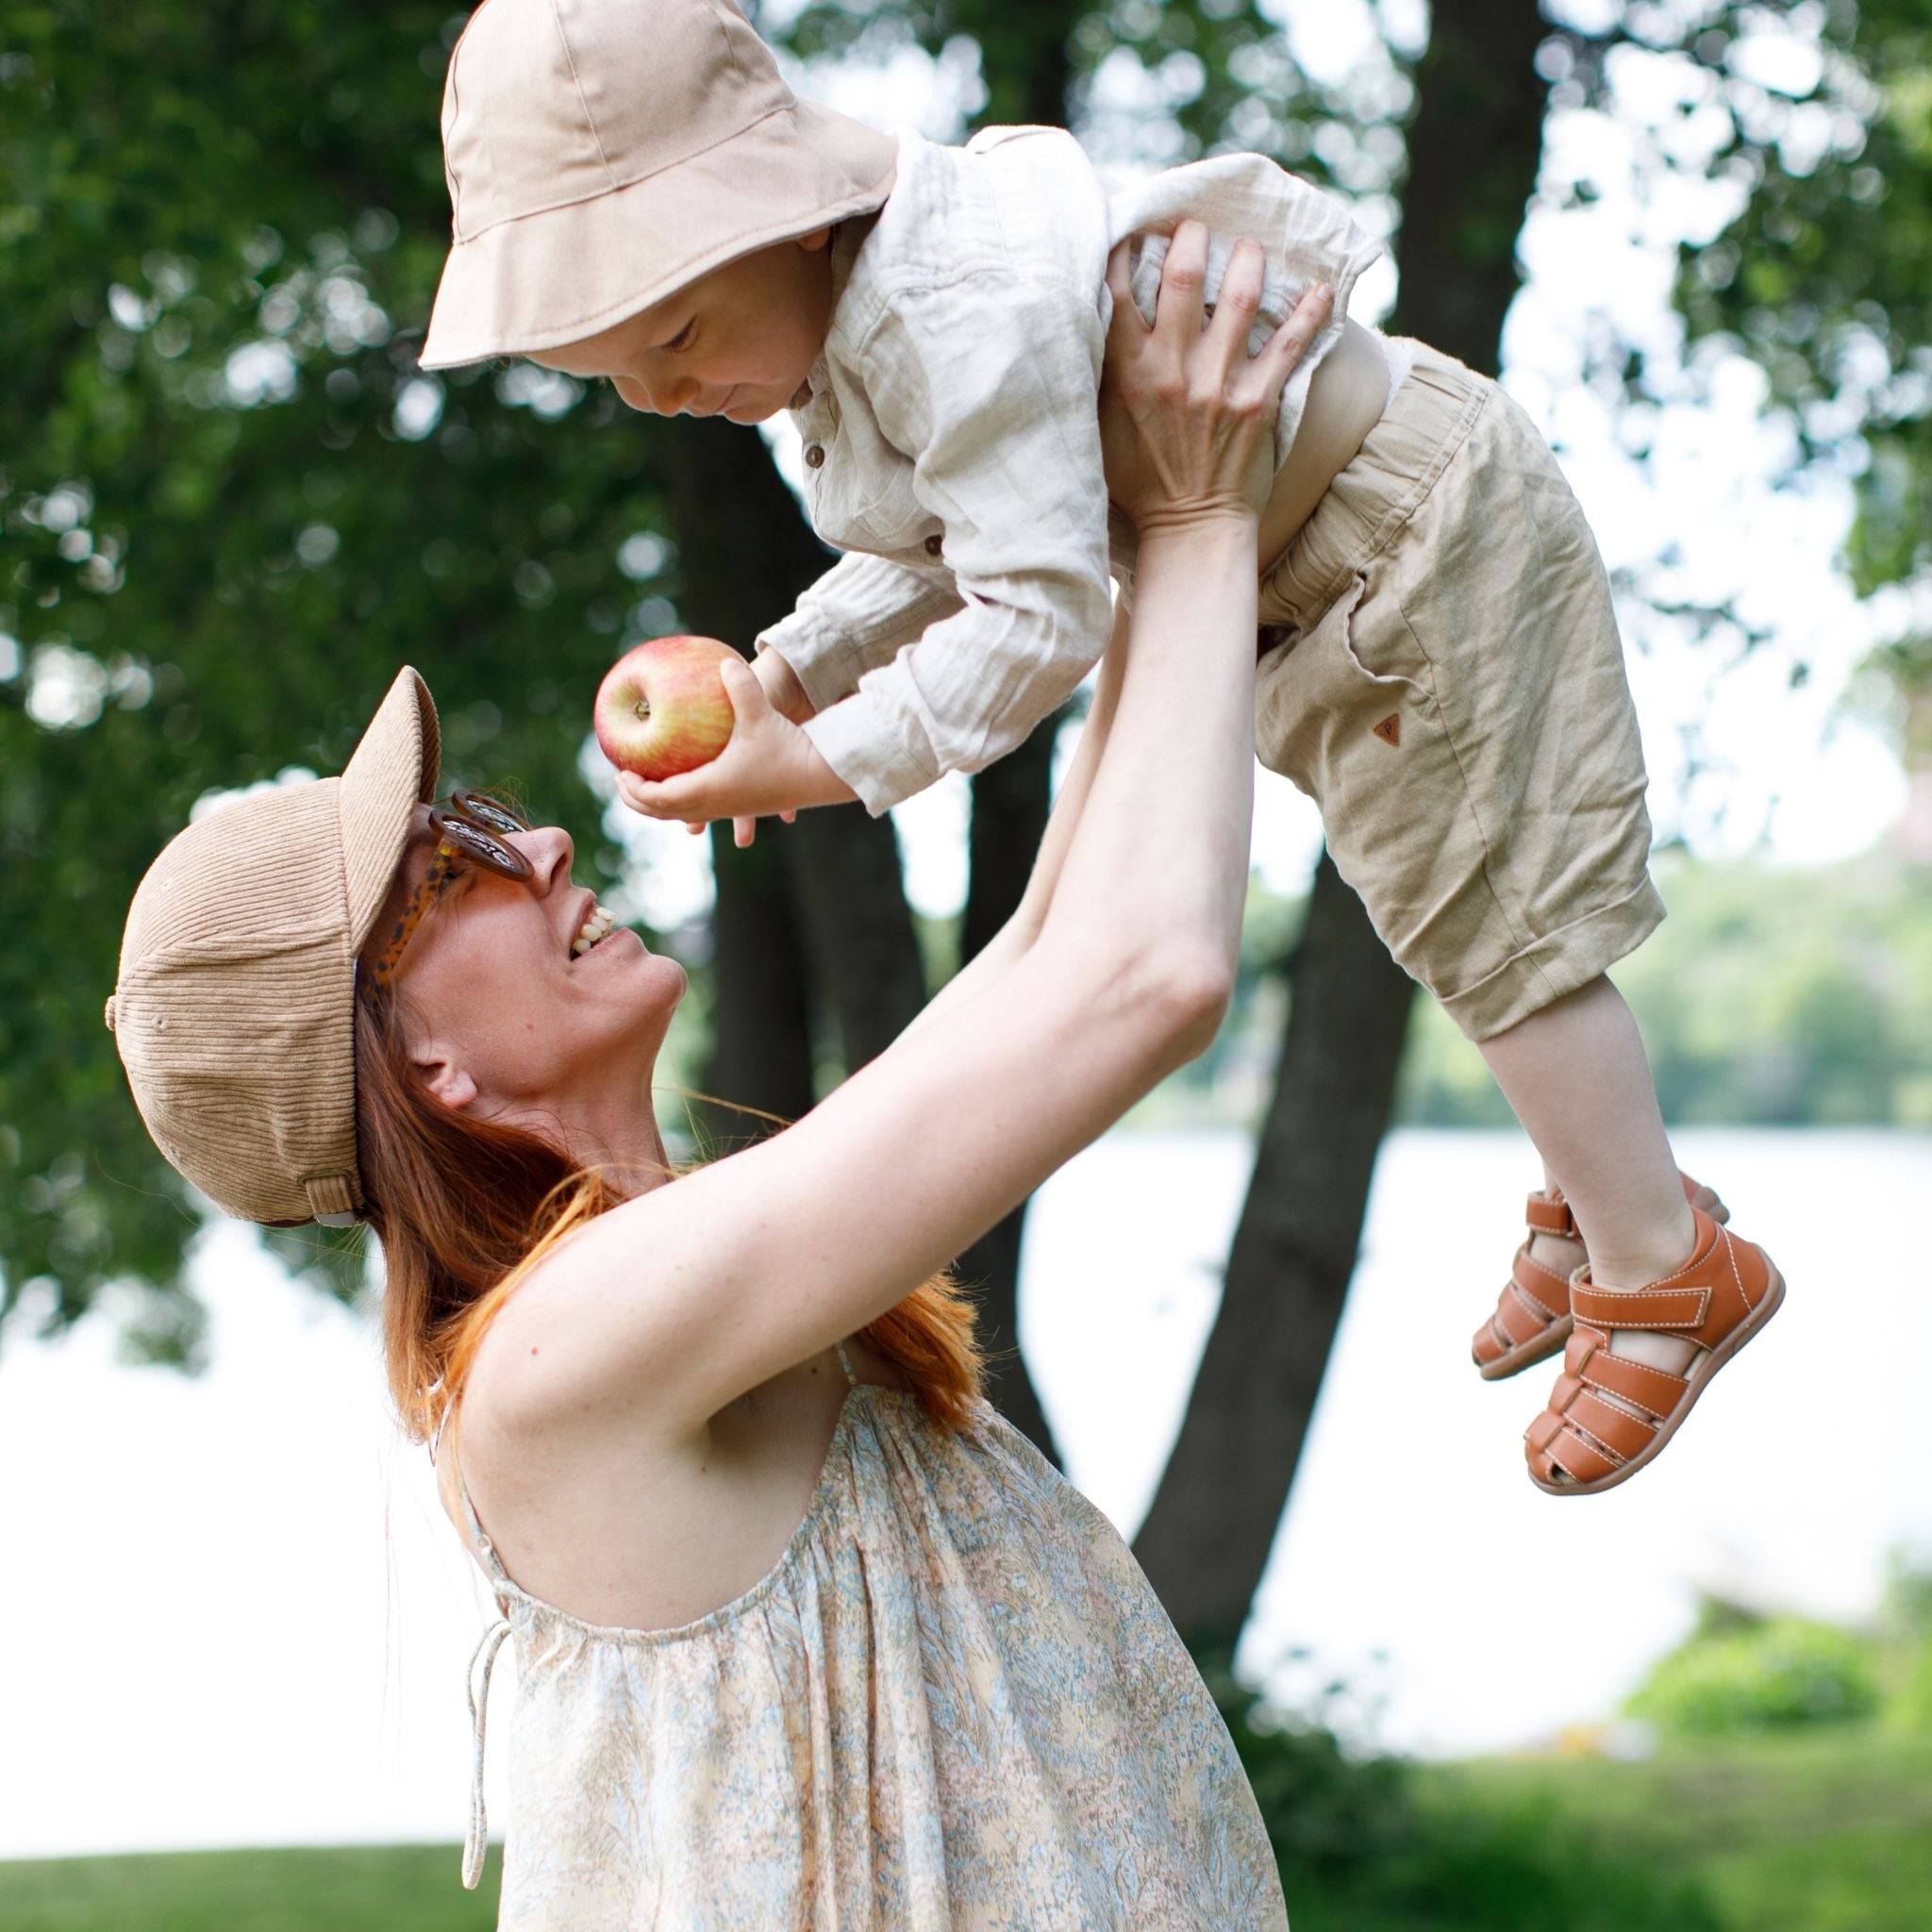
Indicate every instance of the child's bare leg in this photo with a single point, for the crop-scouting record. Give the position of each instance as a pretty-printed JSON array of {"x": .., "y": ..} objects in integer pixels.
[{"x": 1579, "y": 1080}]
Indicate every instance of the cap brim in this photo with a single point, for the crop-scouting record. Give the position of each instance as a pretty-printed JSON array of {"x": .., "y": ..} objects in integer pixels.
[
  {"x": 566, "y": 272},
  {"x": 392, "y": 771}
]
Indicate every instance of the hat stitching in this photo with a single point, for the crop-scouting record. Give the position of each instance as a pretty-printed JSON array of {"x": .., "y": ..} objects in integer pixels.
[
  {"x": 455, "y": 108},
  {"x": 732, "y": 52},
  {"x": 617, "y": 185},
  {"x": 576, "y": 80},
  {"x": 633, "y": 304}
]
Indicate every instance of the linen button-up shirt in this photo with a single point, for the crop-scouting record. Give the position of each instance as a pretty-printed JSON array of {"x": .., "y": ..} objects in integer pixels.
[{"x": 951, "y": 438}]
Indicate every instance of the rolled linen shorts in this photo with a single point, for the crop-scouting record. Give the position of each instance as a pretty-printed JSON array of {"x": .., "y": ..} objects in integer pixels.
[{"x": 1441, "y": 672}]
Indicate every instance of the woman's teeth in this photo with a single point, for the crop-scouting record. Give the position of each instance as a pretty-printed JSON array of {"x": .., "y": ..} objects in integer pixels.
[{"x": 600, "y": 922}]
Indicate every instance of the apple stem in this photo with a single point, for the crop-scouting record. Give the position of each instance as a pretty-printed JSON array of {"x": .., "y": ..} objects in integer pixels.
[{"x": 643, "y": 707}]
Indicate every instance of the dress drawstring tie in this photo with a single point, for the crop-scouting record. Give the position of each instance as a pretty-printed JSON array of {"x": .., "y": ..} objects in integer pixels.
[{"x": 476, "y": 1843}]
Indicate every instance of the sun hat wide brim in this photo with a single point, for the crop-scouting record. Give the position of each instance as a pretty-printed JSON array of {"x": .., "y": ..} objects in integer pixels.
[{"x": 557, "y": 275}]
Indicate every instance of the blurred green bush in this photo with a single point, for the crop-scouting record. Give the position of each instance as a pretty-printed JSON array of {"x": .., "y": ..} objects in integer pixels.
[
  {"x": 1739, "y": 1672},
  {"x": 1371, "y": 1843}
]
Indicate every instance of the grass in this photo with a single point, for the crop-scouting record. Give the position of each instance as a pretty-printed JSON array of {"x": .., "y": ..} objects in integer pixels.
[
  {"x": 356, "y": 1888},
  {"x": 1821, "y": 1831},
  {"x": 1829, "y": 1831}
]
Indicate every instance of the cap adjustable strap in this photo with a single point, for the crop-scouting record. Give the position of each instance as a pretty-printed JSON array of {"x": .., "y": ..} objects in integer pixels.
[{"x": 331, "y": 1199}]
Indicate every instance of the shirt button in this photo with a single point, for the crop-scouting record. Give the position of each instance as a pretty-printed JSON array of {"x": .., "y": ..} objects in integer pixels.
[
  {"x": 814, "y": 456},
  {"x": 934, "y": 544}
]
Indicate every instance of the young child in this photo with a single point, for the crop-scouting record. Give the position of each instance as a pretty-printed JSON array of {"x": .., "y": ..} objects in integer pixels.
[{"x": 638, "y": 196}]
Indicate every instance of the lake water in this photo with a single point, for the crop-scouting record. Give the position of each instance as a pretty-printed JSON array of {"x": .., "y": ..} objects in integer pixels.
[{"x": 233, "y": 1613}]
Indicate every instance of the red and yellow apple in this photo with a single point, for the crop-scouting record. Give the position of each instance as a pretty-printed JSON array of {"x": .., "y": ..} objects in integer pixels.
[{"x": 661, "y": 709}]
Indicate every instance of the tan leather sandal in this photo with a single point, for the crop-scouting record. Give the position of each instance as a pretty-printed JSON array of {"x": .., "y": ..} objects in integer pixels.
[
  {"x": 1608, "y": 1415},
  {"x": 1532, "y": 1318}
]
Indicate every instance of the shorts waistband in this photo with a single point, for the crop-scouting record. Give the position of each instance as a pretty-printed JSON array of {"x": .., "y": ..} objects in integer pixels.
[{"x": 1379, "y": 488}]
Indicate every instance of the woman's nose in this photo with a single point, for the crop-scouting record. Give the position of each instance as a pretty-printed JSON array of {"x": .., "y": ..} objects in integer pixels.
[{"x": 549, "y": 850}]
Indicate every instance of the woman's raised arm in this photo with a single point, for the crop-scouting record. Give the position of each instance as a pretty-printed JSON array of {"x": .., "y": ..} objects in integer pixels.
[{"x": 1117, "y": 971}]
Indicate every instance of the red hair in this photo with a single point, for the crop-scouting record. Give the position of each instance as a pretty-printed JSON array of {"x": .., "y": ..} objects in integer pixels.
[{"x": 465, "y": 1208}]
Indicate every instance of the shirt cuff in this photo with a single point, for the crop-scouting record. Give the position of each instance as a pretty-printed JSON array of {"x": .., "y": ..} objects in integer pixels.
[
  {"x": 875, "y": 748},
  {"x": 822, "y": 656}
]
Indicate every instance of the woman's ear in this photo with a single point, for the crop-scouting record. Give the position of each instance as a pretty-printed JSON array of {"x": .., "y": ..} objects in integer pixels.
[{"x": 446, "y": 1081}]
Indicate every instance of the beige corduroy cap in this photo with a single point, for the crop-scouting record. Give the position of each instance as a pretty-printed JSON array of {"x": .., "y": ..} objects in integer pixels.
[
  {"x": 601, "y": 153},
  {"x": 234, "y": 1008}
]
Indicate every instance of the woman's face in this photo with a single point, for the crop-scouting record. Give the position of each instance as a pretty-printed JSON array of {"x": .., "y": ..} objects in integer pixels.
[{"x": 501, "y": 1017}]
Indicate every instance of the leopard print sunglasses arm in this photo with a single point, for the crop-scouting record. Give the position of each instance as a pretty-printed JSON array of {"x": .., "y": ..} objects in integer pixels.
[{"x": 471, "y": 832}]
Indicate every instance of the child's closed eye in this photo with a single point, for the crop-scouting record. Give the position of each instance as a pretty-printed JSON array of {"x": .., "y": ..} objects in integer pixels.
[{"x": 684, "y": 337}]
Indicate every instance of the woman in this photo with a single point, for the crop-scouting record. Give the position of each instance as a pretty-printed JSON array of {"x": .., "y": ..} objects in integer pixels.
[{"x": 807, "y": 1635}]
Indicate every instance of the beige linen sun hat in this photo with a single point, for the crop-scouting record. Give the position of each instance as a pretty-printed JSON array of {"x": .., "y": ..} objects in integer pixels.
[
  {"x": 234, "y": 1008},
  {"x": 601, "y": 153}
]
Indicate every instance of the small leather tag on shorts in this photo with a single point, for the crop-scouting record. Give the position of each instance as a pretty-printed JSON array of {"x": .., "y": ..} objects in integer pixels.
[{"x": 1390, "y": 729}]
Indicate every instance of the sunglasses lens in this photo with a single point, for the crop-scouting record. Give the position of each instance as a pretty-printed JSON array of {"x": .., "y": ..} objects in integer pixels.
[
  {"x": 489, "y": 812},
  {"x": 477, "y": 845}
]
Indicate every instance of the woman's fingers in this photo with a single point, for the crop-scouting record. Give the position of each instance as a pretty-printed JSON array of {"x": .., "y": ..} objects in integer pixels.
[
  {"x": 1237, "y": 303},
  {"x": 1183, "y": 281},
  {"x": 1280, "y": 354},
  {"x": 1126, "y": 325}
]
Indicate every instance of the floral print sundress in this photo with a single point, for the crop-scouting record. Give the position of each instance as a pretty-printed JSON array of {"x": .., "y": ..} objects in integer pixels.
[{"x": 954, "y": 1704}]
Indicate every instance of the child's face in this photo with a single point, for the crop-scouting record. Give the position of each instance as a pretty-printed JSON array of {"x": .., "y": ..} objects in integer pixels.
[{"x": 737, "y": 342}]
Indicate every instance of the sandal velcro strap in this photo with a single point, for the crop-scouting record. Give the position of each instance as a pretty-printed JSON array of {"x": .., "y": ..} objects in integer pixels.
[
  {"x": 1653, "y": 1390},
  {"x": 1655, "y": 1306},
  {"x": 1545, "y": 1292},
  {"x": 1550, "y": 1214}
]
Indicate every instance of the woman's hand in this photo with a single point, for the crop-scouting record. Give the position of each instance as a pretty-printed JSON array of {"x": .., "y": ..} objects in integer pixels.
[{"x": 1187, "y": 417}]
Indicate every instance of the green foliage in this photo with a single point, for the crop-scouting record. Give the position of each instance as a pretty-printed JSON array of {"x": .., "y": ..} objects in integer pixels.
[
  {"x": 230, "y": 507},
  {"x": 1365, "y": 1841},
  {"x": 1812, "y": 1831},
  {"x": 1824, "y": 279},
  {"x": 1208, "y": 75},
  {"x": 1737, "y": 1672}
]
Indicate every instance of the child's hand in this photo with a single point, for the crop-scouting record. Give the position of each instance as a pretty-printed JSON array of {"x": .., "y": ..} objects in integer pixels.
[{"x": 768, "y": 766}]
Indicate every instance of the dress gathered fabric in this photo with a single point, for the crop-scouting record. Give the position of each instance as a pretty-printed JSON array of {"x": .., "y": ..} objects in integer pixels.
[{"x": 954, "y": 1705}]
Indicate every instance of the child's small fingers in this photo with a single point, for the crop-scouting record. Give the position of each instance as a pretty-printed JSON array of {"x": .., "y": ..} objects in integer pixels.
[
  {"x": 788, "y": 818},
  {"x": 694, "y": 826},
  {"x": 744, "y": 829},
  {"x": 742, "y": 688}
]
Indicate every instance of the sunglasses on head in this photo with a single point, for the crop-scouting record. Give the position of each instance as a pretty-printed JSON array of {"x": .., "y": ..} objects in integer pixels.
[{"x": 469, "y": 831}]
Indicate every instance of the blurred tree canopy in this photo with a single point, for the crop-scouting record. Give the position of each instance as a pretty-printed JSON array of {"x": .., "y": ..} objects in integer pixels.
[
  {"x": 1820, "y": 115},
  {"x": 231, "y": 505}
]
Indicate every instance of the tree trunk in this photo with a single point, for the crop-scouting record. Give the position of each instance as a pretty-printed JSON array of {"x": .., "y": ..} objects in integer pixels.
[
  {"x": 812, "y": 917},
  {"x": 1473, "y": 151},
  {"x": 1205, "y": 1541}
]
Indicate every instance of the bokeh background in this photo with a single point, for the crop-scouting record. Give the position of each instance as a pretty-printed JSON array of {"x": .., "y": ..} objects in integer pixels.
[{"x": 1695, "y": 238}]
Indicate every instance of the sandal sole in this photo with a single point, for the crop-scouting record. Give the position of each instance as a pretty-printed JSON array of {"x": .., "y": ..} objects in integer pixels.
[
  {"x": 1700, "y": 1379},
  {"x": 1538, "y": 1348}
]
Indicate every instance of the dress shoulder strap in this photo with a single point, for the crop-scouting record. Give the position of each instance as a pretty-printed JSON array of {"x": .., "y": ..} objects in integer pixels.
[
  {"x": 846, "y": 1363},
  {"x": 449, "y": 1475}
]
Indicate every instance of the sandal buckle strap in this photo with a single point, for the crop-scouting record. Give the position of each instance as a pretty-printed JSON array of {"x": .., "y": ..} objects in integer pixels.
[
  {"x": 1548, "y": 1214},
  {"x": 1639, "y": 1308}
]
